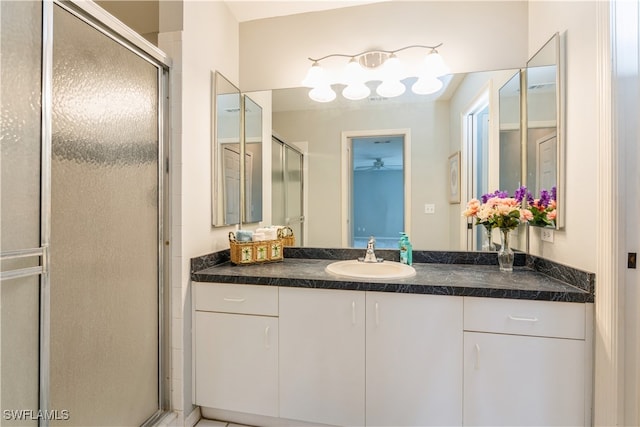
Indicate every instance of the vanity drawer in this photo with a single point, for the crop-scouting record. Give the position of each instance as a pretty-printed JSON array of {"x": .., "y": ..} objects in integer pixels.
[
  {"x": 522, "y": 317},
  {"x": 231, "y": 298}
]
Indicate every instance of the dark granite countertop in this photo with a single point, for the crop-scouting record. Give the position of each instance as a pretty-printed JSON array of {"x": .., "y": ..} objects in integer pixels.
[{"x": 431, "y": 278}]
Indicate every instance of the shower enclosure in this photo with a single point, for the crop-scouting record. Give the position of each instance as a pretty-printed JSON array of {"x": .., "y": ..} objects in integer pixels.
[{"x": 83, "y": 205}]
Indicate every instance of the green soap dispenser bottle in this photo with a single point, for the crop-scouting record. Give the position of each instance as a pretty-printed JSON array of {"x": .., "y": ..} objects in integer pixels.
[
  {"x": 409, "y": 251},
  {"x": 405, "y": 249}
]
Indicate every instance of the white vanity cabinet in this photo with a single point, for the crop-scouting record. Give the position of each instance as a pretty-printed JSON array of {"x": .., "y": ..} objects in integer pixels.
[
  {"x": 236, "y": 347},
  {"x": 413, "y": 360},
  {"x": 366, "y": 358},
  {"x": 525, "y": 363},
  {"x": 322, "y": 347},
  {"x": 407, "y": 374}
]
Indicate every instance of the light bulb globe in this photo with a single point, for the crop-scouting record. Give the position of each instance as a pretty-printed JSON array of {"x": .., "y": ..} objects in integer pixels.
[
  {"x": 357, "y": 91},
  {"x": 353, "y": 73},
  {"x": 434, "y": 65},
  {"x": 390, "y": 89},
  {"x": 426, "y": 85},
  {"x": 322, "y": 94},
  {"x": 316, "y": 76}
]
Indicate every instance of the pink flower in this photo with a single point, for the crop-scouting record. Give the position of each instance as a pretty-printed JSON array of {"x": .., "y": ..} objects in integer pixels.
[
  {"x": 472, "y": 208},
  {"x": 552, "y": 215},
  {"x": 526, "y": 215}
]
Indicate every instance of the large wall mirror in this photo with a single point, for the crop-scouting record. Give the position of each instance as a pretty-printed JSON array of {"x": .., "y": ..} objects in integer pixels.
[
  {"x": 545, "y": 141},
  {"x": 252, "y": 118},
  {"x": 226, "y": 152},
  {"x": 433, "y": 132}
]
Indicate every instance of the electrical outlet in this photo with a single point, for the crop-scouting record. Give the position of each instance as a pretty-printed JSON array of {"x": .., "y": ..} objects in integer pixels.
[
  {"x": 546, "y": 234},
  {"x": 429, "y": 208}
]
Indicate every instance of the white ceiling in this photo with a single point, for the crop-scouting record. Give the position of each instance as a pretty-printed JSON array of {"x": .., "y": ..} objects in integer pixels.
[{"x": 249, "y": 10}]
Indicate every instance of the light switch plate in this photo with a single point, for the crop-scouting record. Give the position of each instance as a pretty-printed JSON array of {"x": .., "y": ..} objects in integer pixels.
[
  {"x": 546, "y": 234},
  {"x": 429, "y": 208}
]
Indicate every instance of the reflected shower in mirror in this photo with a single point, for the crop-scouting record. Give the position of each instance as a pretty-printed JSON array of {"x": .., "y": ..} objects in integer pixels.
[
  {"x": 225, "y": 152},
  {"x": 544, "y": 125},
  {"x": 252, "y": 161}
]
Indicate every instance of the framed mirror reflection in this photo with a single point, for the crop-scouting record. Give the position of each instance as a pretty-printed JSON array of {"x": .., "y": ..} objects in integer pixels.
[
  {"x": 252, "y": 148},
  {"x": 226, "y": 152},
  {"x": 544, "y": 140}
]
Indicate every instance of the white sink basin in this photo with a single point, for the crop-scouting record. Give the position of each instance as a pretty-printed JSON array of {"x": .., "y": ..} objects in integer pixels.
[{"x": 369, "y": 270}]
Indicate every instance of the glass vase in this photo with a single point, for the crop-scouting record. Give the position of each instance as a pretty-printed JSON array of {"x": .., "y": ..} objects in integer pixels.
[
  {"x": 505, "y": 254},
  {"x": 487, "y": 244}
]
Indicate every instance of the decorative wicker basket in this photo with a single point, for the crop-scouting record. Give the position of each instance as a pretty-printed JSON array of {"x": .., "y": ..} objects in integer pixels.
[
  {"x": 245, "y": 253},
  {"x": 286, "y": 234}
]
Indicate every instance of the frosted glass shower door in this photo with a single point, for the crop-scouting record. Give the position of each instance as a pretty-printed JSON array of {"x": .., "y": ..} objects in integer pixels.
[
  {"x": 105, "y": 257},
  {"x": 20, "y": 242},
  {"x": 293, "y": 183},
  {"x": 286, "y": 188}
]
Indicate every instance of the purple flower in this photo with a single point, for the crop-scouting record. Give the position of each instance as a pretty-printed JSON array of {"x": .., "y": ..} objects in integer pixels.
[
  {"x": 521, "y": 193},
  {"x": 499, "y": 194},
  {"x": 553, "y": 193},
  {"x": 545, "y": 198}
]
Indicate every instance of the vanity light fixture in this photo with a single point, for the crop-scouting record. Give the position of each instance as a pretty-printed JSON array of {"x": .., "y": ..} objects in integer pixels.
[{"x": 376, "y": 65}]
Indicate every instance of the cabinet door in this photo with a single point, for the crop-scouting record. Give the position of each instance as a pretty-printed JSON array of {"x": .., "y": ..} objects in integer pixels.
[
  {"x": 236, "y": 362},
  {"x": 322, "y": 356},
  {"x": 414, "y": 360},
  {"x": 521, "y": 380}
]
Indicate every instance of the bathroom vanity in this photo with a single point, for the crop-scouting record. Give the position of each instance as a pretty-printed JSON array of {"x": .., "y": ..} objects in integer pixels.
[{"x": 457, "y": 344}]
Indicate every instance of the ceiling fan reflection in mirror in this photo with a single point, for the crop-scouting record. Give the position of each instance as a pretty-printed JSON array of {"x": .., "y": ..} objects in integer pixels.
[{"x": 378, "y": 164}]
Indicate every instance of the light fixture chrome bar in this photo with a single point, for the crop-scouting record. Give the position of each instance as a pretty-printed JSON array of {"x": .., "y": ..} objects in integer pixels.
[{"x": 388, "y": 52}]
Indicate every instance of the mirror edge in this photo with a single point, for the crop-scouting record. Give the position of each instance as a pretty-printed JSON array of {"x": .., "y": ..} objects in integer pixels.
[
  {"x": 560, "y": 113},
  {"x": 214, "y": 140}
]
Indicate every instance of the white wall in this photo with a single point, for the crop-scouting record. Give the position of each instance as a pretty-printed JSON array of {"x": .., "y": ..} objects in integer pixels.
[
  {"x": 209, "y": 41},
  {"x": 477, "y": 35}
]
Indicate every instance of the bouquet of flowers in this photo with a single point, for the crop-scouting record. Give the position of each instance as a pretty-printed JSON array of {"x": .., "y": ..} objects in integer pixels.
[
  {"x": 498, "y": 210},
  {"x": 543, "y": 210}
]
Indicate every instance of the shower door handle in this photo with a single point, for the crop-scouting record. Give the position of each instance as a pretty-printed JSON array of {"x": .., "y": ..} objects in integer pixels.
[{"x": 25, "y": 271}]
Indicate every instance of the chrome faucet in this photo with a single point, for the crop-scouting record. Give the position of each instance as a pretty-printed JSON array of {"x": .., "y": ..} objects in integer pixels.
[{"x": 370, "y": 255}]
